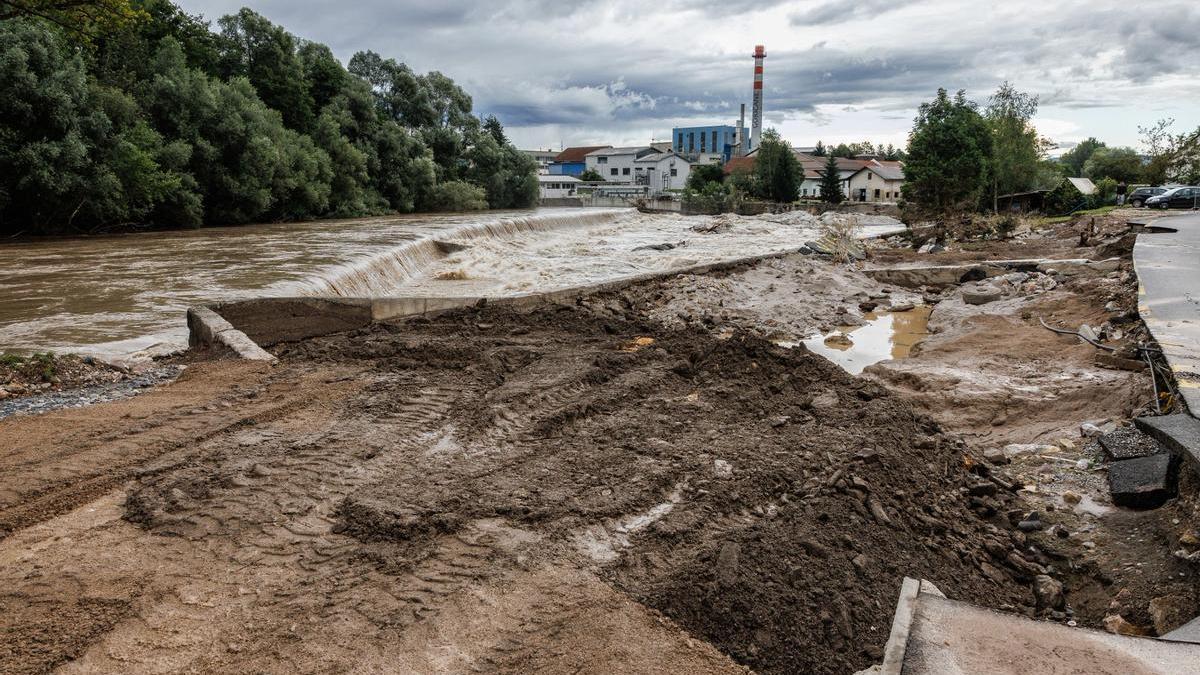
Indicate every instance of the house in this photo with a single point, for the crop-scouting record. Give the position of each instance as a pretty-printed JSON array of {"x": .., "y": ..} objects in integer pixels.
[
  {"x": 616, "y": 164},
  {"x": 876, "y": 181},
  {"x": 662, "y": 171},
  {"x": 543, "y": 159},
  {"x": 814, "y": 169},
  {"x": 553, "y": 187},
  {"x": 572, "y": 161},
  {"x": 705, "y": 144}
]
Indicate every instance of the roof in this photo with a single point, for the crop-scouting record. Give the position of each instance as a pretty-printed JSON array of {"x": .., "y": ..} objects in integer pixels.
[
  {"x": 551, "y": 178},
  {"x": 1085, "y": 186},
  {"x": 609, "y": 151},
  {"x": 576, "y": 154},
  {"x": 740, "y": 163},
  {"x": 885, "y": 170},
  {"x": 654, "y": 158}
]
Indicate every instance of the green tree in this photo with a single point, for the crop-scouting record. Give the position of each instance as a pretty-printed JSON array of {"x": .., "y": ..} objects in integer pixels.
[
  {"x": 457, "y": 196},
  {"x": 1075, "y": 158},
  {"x": 949, "y": 150},
  {"x": 776, "y": 170},
  {"x": 265, "y": 54},
  {"x": 591, "y": 176},
  {"x": 1016, "y": 147},
  {"x": 702, "y": 174},
  {"x": 84, "y": 19},
  {"x": 1121, "y": 164},
  {"x": 819, "y": 150},
  {"x": 831, "y": 182}
]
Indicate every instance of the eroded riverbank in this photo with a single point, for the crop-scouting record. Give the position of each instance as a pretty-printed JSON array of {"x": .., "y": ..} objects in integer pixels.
[{"x": 641, "y": 479}]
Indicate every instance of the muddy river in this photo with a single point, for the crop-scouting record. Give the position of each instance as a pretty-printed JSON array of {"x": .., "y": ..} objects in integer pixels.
[{"x": 125, "y": 296}]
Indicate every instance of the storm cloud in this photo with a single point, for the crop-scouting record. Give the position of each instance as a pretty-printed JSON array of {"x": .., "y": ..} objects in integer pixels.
[{"x": 627, "y": 71}]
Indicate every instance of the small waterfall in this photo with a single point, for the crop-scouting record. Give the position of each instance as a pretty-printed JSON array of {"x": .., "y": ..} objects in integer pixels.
[{"x": 387, "y": 271}]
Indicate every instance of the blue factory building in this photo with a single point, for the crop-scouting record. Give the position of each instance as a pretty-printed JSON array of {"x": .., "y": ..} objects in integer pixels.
[{"x": 710, "y": 140}]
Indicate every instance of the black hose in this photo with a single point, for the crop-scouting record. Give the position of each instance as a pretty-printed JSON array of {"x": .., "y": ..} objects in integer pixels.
[{"x": 1076, "y": 334}]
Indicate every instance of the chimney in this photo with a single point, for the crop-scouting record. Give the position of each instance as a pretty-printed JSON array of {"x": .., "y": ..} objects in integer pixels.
[
  {"x": 740, "y": 150},
  {"x": 756, "y": 114}
]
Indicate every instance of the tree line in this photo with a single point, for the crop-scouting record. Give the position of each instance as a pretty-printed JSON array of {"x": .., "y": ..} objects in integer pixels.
[
  {"x": 136, "y": 113},
  {"x": 962, "y": 156}
]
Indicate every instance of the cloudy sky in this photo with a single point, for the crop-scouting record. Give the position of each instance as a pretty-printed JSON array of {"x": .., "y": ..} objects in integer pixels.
[{"x": 560, "y": 72}]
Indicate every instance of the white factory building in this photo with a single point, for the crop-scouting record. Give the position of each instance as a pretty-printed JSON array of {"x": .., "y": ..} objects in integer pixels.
[
  {"x": 615, "y": 165},
  {"x": 553, "y": 187},
  {"x": 662, "y": 171}
]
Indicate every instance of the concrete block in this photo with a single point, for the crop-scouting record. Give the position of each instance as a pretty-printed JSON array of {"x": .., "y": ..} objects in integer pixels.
[
  {"x": 1188, "y": 632},
  {"x": 1142, "y": 482},
  {"x": 980, "y": 294}
]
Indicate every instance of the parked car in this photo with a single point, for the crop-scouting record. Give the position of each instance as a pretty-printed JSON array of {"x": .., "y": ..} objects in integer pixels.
[
  {"x": 1138, "y": 197},
  {"x": 1186, "y": 197}
]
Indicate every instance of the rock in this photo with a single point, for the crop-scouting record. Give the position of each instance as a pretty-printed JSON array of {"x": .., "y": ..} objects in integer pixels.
[
  {"x": 1088, "y": 333},
  {"x": 982, "y": 490},
  {"x": 1189, "y": 538},
  {"x": 839, "y": 340},
  {"x": 1071, "y": 498},
  {"x": 1048, "y": 592},
  {"x": 727, "y": 563},
  {"x": 1112, "y": 306},
  {"x": 259, "y": 471},
  {"x": 1114, "y": 362},
  {"x": 779, "y": 421},
  {"x": 868, "y": 306},
  {"x": 722, "y": 468},
  {"x": 1089, "y": 430},
  {"x": 994, "y": 573},
  {"x": 666, "y": 246},
  {"x": 901, "y": 307},
  {"x": 1142, "y": 482},
  {"x": 861, "y": 562},
  {"x": 995, "y": 456},
  {"x": 980, "y": 294},
  {"x": 1065, "y": 443},
  {"x": 1115, "y": 623},
  {"x": 1169, "y": 612},
  {"x": 1030, "y": 525}
]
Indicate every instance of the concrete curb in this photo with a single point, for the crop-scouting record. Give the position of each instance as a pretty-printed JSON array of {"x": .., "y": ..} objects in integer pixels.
[{"x": 269, "y": 321}]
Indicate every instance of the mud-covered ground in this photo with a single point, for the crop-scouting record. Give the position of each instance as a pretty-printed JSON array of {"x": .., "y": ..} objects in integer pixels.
[{"x": 642, "y": 481}]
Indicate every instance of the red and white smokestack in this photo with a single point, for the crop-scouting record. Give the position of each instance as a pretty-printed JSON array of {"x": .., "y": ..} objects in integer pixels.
[{"x": 757, "y": 111}]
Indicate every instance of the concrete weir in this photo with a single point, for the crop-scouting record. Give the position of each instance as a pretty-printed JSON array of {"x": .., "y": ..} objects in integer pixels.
[{"x": 244, "y": 325}]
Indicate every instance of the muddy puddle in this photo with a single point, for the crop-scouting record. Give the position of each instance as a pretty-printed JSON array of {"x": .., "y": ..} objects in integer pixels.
[{"x": 885, "y": 335}]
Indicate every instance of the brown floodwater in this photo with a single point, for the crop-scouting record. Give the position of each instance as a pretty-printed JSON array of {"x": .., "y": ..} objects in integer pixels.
[
  {"x": 885, "y": 335},
  {"x": 116, "y": 296}
]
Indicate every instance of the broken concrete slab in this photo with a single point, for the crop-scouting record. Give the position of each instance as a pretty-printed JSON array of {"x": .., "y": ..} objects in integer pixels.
[
  {"x": 1188, "y": 632},
  {"x": 913, "y": 276},
  {"x": 1141, "y": 482},
  {"x": 933, "y": 634},
  {"x": 1129, "y": 442},
  {"x": 1180, "y": 433}
]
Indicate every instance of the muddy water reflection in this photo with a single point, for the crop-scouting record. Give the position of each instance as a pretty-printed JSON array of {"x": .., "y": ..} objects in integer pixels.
[
  {"x": 114, "y": 295},
  {"x": 886, "y": 335}
]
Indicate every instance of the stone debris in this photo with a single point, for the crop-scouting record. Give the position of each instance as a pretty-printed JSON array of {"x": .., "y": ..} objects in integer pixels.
[{"x": 1127, "y": 443}]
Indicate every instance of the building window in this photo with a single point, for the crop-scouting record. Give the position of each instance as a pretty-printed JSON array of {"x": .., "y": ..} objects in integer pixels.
[
  {"x": 877, "y": 194},
  {"x": 674, "y": 172},
  {"x": 691, "y": 141},
  {"x": 714, "y": 141},
  {"x": 702, "y": 138},
  {"x": 602, "y": 160},
  {"x": 626, "y": 172},
  {"x": 613, "y": 171},
  {"x": 679, "y": 146}
]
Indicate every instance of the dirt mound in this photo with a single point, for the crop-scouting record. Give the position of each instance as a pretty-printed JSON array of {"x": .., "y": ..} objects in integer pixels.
[{"x": 758, "y": 496}]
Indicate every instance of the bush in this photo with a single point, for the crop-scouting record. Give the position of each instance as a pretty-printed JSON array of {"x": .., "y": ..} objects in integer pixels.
[
  {"x": 457, "y": 195},
  {"x": 712, "y": 198}
]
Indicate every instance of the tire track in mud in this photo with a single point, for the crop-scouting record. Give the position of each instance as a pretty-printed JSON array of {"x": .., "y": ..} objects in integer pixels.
[{"x": 261, "y": 503}]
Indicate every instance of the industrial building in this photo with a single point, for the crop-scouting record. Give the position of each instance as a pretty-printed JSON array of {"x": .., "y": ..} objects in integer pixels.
[
  {"x": 662, "y": 171},
  {"x": 572, "y": 161},
  {"x": 616, "y": 164},
  {"x": 716, "y": 143}
]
